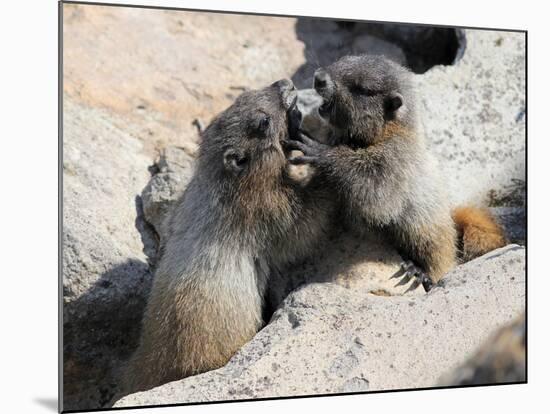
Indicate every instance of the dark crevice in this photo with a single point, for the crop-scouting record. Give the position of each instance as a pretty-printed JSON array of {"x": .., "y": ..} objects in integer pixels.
[
  {"x": 101, "y": 329},
  {"x": 417, "y": 47}
]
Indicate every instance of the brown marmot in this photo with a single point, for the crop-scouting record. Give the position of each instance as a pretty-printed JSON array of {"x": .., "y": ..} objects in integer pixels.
[
  {"x": 240, "y": 218},
  {"x": 378, "y": 163}
]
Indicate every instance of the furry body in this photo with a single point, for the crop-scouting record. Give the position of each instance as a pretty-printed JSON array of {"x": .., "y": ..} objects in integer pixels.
[{"x": 240, "y": 219}]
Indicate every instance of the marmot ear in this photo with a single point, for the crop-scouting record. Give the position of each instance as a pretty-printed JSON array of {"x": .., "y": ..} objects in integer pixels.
[
  {"x": 234, "y": 161},
  {"x": 393, "y": 102}
]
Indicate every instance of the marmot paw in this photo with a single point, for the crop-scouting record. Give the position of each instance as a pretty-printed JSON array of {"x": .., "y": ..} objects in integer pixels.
[
  {"x": 313, "y": 151},
  {"x": 408, "y": 270}
]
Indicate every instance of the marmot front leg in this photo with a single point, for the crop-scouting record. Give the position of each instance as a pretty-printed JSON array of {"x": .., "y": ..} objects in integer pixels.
[{"x": 313, "y": 150}]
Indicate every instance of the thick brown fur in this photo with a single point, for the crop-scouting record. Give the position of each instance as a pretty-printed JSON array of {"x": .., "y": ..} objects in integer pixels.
[{"x": 478, "y": 232}]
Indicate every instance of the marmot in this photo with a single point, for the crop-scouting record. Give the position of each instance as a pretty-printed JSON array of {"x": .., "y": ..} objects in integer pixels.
[
  {"x": 240, "y": 218},
  {"x": 379, "y": 164}
]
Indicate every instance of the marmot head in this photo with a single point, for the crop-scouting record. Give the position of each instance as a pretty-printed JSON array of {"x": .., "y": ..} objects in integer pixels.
[
  {"x": 361, "y": 94},
  {"x": 245, "y": 140}
]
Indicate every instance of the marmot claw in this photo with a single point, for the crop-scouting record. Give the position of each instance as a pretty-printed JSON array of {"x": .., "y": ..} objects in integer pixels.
[
  {"x": 408, "y": 270},
  {"x": 311, "y": 149}
]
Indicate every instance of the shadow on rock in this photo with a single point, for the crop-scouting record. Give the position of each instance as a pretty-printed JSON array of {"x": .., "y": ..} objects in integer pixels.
[
  {"x": 418, "y": 47},
  {"x": 100, "y": 330}
]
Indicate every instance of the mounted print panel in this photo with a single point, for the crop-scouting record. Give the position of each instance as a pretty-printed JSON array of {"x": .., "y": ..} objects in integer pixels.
[{"x": 259, "y": 207}]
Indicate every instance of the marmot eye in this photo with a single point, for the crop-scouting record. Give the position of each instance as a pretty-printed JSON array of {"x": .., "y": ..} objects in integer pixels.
[
  {"x": 361, "y": 90},
  {"x": 264, "y": 123}
]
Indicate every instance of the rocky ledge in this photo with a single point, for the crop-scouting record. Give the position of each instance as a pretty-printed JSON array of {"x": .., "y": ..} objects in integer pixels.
[{"x": 329, "y": 338}]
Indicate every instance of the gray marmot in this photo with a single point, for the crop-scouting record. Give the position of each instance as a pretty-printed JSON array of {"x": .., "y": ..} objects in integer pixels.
[
  {"x": 240, "y": 218},
  {"x": 379, "y": 164}
]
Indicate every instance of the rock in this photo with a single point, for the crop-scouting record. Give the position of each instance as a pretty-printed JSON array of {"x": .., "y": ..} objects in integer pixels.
[
  {"x": 328, "y": 338},
  {"x": 160, "y": 70},
  {"x": 308, "y": 104},
  {"x": 174, "y": 170},
  {"x": 473, "y": 118},
  {"x": 105, "y": 274},
  {"x": 364, "y": 263},
  {"x": 501, "y": 359}
]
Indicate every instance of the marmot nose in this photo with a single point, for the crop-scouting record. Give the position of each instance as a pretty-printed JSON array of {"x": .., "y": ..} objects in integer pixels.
[
  {"x": 321, "y": 79},
  {"x": 284, "y": 85}
]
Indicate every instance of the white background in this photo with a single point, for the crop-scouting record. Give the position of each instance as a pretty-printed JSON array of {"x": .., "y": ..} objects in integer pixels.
[{"x": 29, "y": 191}]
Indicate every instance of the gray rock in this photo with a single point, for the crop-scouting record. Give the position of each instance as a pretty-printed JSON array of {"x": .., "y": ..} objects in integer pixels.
[
  {"x": 174, "y": 169},
  {"x": 473, "y": 117},
  {"x": 105, "y": 274},
  {"x": 364, "y": 263},
  {"x": 161, "y": 70},
  {"x": 329, "y": 338}
]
